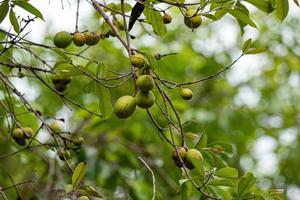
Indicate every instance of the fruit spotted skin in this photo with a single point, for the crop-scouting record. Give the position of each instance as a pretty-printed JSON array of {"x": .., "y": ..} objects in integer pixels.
[
  {"x": 182, "y": 153},
  {"x": 64, "y": 154},
  {"x": 186, "y": 93},
  {"x": 167, "y": 18},
  {"x": 190, "y": 155},
  {"x": 192, "y": 20},
  {"x": 79, "y": 141},
  {"x": 125, "y": 106},
  {"x": 91, "y": 38},
  {"x": 144, "y": 100},
  {"x": 145, "y": 83},
  {"x": 79, "y": 39},
  {"x": 137, "y": 60},
  {"x": 62, "y": 39},
  {"x": 83, "y": 198},
  {"x": 119, "y": 23},
  {"x": 28, "y": 132}
]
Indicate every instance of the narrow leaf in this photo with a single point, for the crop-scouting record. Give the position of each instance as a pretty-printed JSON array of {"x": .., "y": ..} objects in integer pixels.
[
  {"x": 30, "y": 8},
  {"x": 282, "y": 9},
  {"x": 79, "y": 173},
  {"x": 242, "y": 17},
  {"x": 13, "y": 20},
  {"x": 4, "y": 7}
]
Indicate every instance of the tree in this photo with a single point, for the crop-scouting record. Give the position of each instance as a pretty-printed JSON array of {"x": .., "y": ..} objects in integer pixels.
[{"x": 87, "y": 73}]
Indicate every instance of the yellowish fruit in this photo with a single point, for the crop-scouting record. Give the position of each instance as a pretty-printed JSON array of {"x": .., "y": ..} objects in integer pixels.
[
  {"x": 191, "y": 19},
  {"x": 137, "y": 60},
  {"x": 62, "y": 39},
  {"x": 119, "y": 23},
  {"x": 91, "y": 38},
  {"x": 145, "y": 83},
  {"x": 56, "y": 127},
  {"x": 83, "y": 198},
  {"x": 28, "y": 132},
  {"x": 182, "y": 153},
  {"x": 18, "y": 134},
  {"x": 79, "y": 39},
  {"x": 167, "y": 18},
  {"x": 186, "y": 93},
  {"x": 144, "y": 100},
  {"x": 125, "y": 106},
  {"x": 79, "y": 141},
  {"x": 192, "y": 154}
]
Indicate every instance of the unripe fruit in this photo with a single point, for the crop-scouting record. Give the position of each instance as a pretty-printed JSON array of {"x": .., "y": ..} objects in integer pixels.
[
  {"x": 64, "y": 154},
  {"x": 119, "y": 23},
  {"x": 182, "y": 153},
  {"x": 79, "y": 39},
  {"x": 83, "y": 198},
  {"x": 79, "y": 141},
  {"x": 137, "y": 60},
  {"x": 55, "y": 126},
  {"x": 167, "y": 18},
  {"x": 186, "y": 93},
  {"x": 18, "y": 134},
  {"x": 145, "y": 83},
  {"x": 144, "y": 100},
  {"x": 192, "y": 154},
  {"x": 62, "y": 39},
  {"x": 191, "y": 19},
  {"x": 28, "y": 132},
  {"x": 125, "y": 106},
  {"x": 91, "y": 38}
]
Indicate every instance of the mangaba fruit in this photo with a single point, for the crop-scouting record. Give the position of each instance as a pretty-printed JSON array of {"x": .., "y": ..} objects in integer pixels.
[
  {"x": 28, "y": 132},
  {"x": 79, "y": 39},
  {"x": 182, "y": 153},
  {"x": 186, "y": 93},
  {"x": 145, "y": 83},
  {"x": 18, "y": 134},
  {"x": 125, "y": 106},
  {"x": 191, "y": 19},
  {"x": 119, "y": 22},
  {"x": 137, "y": 60},
  {"x": 62, "y": 39},
  {"x": 144, "y": 100},
  {"x": 192, "y": 154},
  {"x": 56, "y": 127},
  {"x": 79, "y": 141},
  {"x": 91, "y": 38},
  {"x": 167, "y": 18}
]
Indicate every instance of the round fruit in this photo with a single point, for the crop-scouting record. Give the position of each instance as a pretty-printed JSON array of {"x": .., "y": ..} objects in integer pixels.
[
  {"x": 28, "y": 132},
  {"x": 56, "y": 127},
  {"x": 144, "y": 100},
  {"x": 181, "y": 152},
  {"x": 79, "y": 141},
  {"x": 186, "y": 93},
  {"x": 192, "y": 154},
  {"x": 119, "y": 23},
  {"x": 83, "y": 198},
  {"x": 192, "y": 20},
  {"x": 91, "y": 38},
  {"x": 167, "y": 18},
  {"x": 18, "y": 134},
  {"x": 145, "y": 83},
  {"x": 137, "y": 60},
  {"x": 125, "y": 106},
  {"x": 64, "y": 154},
  {"x": 79, "y": 39},
  {"x": 62, "y": 39}
]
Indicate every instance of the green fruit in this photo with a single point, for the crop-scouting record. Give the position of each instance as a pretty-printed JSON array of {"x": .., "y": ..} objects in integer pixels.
[
  {"x": 79, "y": 39},
  {"x": 64, "y": 154},
  {"x": 182, "y": 153},
  {"x": 18, "y": 134},
  {"x": 62, "y": 39},
  {"x": 125, "y": 106},
  {"x": 91, "y": 38},
  {"x": 192, "y": 20},
  {"x": 167, "y": 18},
  {"x": 145, "y": 83},
  {"x": 192, "y": 154},
  {"x": 137, "y": 60},
  {"x": 28, "y": 132},
  {"x": 83, "y": 198},
  {"x": 144, "y": 100},
  {"x": 119, "y": 23},
  {"x": 79, "y": 141},
  {"x": 186, "y": 93},
  {"x": 56, "y": 127}
]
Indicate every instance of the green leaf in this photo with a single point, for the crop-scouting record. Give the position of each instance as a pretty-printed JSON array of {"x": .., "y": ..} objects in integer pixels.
[
  {"x": 247, "y": 45},
  {"x": 104, "y": 99},
  {"x": 202, "y": 141},
  {"x": 4, "y": 7},
  {"x": 89, "y": 191},
  {"x": 183, "y": 192},
  {"x": 245, "y": 184},
  {"x": 13, "y": 20},
  {"x": 222, "y": 182},
  {"x": 256, "y": 51},
  {"x": 227, "y": 172},
  {"x": 62, "y": 54},
  {"x": 156, "y": 21},
  {"x": 262, "y": 5},
  {"x": 30, "y": 8},
  {"x": 79, "y": 173},
  {"x": 222, "y": 147},
  {"x": 282, "y": 9},
  {"x": 241, "y": 17},
  {"x": 153, "y": 62}
]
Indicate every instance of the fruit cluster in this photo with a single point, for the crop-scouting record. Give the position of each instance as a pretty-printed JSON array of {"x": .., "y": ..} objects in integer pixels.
[
  {"x": 21, "y": 134},
  {"x": 186, "y": 157}
]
